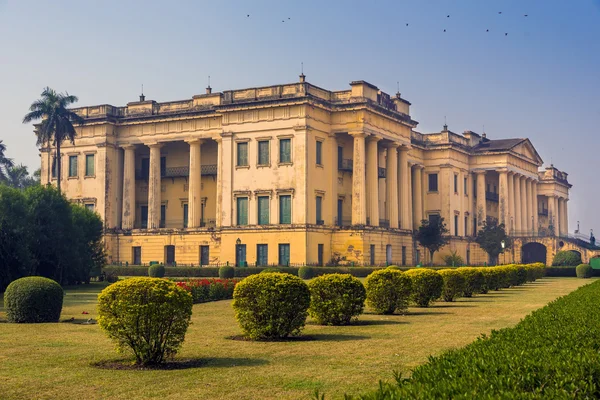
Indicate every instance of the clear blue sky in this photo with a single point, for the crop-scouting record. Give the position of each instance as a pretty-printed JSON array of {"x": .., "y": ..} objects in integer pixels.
[{"x": 542, "y": 81}]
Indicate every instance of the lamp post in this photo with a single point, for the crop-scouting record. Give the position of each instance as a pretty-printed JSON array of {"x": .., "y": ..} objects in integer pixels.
[{"x": 503, "y": 244}]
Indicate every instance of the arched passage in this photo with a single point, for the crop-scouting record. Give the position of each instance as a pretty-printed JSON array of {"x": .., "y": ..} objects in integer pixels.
[{"x": 533, "y": 252}]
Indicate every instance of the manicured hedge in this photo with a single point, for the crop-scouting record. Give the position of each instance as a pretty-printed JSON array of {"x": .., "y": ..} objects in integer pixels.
[
  {"x": 204, "y": 290},
  {"x": 33, "y": 299},
  {"x": 584, "y": 271},
  {"x": 551, "y": 354},
  {"x": 336, "y": 299}
]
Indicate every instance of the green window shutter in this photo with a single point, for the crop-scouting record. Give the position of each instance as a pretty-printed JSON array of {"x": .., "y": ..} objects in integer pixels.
[
  {"x": 284, "y": 255},
  {"x": 263, "y": 210},
  {"x": 242, "y": 211},
  {"x": 89, "y": 165},
  {"x": 285, "y": 209},
  {"x": 319, "y": 212},
  {"x": 285, "y": 150},
  {"x": 72, "y": 165},
  {"x": 163, "y": 215},
  {"x": 320, "y": 153},
  {"x": 242, "y": 154},
  {"x": 262, "y": 255},
  {"x": 185, "y": 215},
  {"x": 263, "y": 153}
]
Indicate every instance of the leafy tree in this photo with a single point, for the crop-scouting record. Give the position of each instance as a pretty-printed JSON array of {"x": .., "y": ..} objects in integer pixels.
[
  {"x": 490, "y": 238},
  {"x": 56, "y": 121},
  {"x": 431, "y": 235},
  {"x": 5, "y": 163},
  {"x": 18, "y": 177}
]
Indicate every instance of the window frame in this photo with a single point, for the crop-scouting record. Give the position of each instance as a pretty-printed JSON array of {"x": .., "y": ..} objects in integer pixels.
[
  {"x": 71, "y": 158},
  {"x": 281, "y": 198},
  {"x": 238, "y": 201},
  {"x": 264, "y": 262},
  {"x": 429, "y": 182},
  {"x": 87, "y": 172},
  {"x": 319, "y": 209},
  {"x": 319, "y": 153},
  {"x": 259, "y": 162},
  {"x": 455, "y": 183},
  {"x": 258, "y": 209},
  {"x": 281, "y": 160},
  {"x": 237, "y": 155}
]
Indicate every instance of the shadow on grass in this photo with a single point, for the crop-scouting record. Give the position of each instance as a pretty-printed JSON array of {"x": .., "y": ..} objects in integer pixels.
[
  {"x": 453, "y": 304},
  {"x": 315, "y": 337},
  {"x": 182, "y": 363},
  {"x": 363, "y": 322},
  {"x": 418, "y": 313}
]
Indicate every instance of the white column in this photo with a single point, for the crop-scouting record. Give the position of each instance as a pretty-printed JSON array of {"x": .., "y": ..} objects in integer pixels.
[
  {"x": 154, "y": 187},
  {"x": 510, "y": 218},
  {"x": 552, "y": 214},
  {"x": 417, "y": 197},
  {"x": 535, "y": 208},
  {"x": 481, "y": 206},
  {"x": 517, "y": 199},
  {"x": 561, "y": 213},
  {"x": 558, "y": 216},
  {"x": 404, "y": 188},
  {"x": 218, "y": 216},
  {"x": 410, "y": 196},
  {"x": 523, "y": 200},
  {"x": 529, "y": 201},
  {"x": 565, "y": 223},
  {"x": 372, "y": 182},
  {"x": 503, "y": 199},
  {"x": 391, "y": 180},
  {"x": 195, "y": 184},
  {"x": 472, "y": 208},
  {"x": 359, "y": 204},
  {"x": 333, "y": 199},
  {"x": 128, "y": 212}
]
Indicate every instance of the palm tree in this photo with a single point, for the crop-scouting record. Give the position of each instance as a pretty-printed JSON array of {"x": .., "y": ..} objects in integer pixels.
[
  {"x": 5, "y": 163},
  {"x": 57, "y": 122},
  {"x": 18, "y": 177}
]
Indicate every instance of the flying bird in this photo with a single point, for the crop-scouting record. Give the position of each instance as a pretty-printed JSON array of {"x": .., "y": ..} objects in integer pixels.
[
  {"x": 247, "y": 15},
  {"x": 444, "y": 30},
  {"x": 506, "y": 34},
  {"x": 447, "y": 16},
  {"x": 499, "y": 12},
  {"x": 487, "y": 30},
  {"x": 526, "y": 15},
  {"x": 289, "y": 18},
  {"x": 406, "y": 24}
]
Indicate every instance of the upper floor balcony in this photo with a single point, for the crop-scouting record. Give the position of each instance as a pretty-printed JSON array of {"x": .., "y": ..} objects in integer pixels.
[
  {"x": 491, "y": 196},
  {"x": 347, "y": 165},
  {"x": 177, "y": 172}
]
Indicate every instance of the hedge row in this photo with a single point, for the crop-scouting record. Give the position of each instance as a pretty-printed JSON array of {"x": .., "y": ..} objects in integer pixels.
[
  {"x": 205, "y": 290},
  {"x": 552, "y": 353}
]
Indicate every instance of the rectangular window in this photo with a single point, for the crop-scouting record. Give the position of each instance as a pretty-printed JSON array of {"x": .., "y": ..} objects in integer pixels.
[
  {"x": 204, "y": 255},
  {"x": 263, "y": 152},
  {"x": 144, "y": 216},
  {"x": 495, "y": 189},
  {"x": 456, "y": 225},
  {"x": 137, "y": 255},
  {"x": 320, "y": 251},
  {"x": 72, "y": 166},
  {"x": 242, "y": 154},
  {"x": 242, "y": 211},
  {"x": 319, "y": 210},
  {"x": 90, "y": 169},
  {"x": 163, "y": 216},
  {"x": 372, "y": 253},
  {"x": 433, "y": 182},
  {"x": 474, "y": 188},
  {"x": 285, "y": 209},
  {"x": 433, "y": 218},
  {"x": 466, "y": 226},
  {"x": 285, "y": 150},
  {"x": 185, "y": 215},
  {"x": 465, "y": 186},
  {"x": 284, "y": 254},
  {"x": 455, "y": 183},
  {"x": 319, "y": 153},
  {"x": 263, "y": 210},
  {"x": 262, "y": 255},
  {"x": 340, "y": 157},
  {"x": 90, "y": 206},
  {"x": 403, "y": 255}
]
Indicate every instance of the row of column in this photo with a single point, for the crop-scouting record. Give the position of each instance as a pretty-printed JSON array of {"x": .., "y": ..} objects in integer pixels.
[
  {"x": 400, "y": 204},
  {"x": 154, "y": 186},
  {"x": 518, "y": 206},
  {"x": 558, "y": 215}
]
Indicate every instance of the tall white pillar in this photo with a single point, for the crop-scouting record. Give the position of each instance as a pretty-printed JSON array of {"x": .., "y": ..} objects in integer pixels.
[
  {"x": 195, "y": 184},
  {"x": 565, "y": 223},
  {"x": 510, "y": 219},
  {"x": 535, "y": 208},
  {"x": 503, "y": 199},
  {"x": 523, "y": 200},
  {"x": 359, "y": 203},
  {"x": 219, "y": 205},
  {"x": 529, "y": 201},
  {"x": 472, "y": 208},
  {"x": 558, "y": 228},
  {"x": 372, "y": 182},
  {"x": 404, "y": 188},
  {"x": 154, "y": 187},
  {"x": 417, "y": 197},
  {"x": 410, "y": 196},
  {"x": 481, "y": 206},
  {"x": 333, "y": 199},
  {"x": 391, "y": 180},
  {"x": 128, "y": 212},
  {"x": 517, "y": 199}
]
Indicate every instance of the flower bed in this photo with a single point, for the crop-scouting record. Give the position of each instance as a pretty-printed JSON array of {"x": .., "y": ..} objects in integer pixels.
[{"x": 205, "y": 290}]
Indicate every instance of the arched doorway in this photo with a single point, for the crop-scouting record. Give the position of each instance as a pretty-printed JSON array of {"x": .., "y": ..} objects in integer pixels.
[{"x": 533, "y": 252}]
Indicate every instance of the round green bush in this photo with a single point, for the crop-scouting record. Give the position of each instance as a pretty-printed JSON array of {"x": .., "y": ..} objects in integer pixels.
[
  {"x": 33, "y": 299},
  {"x": 394, "y": 267},
  {"x": 427, "y": 285},
  {"x": 454, "y": 284},
  {"x": 491, "y": 279},
  {"x": 584, "y": 271},
  {"x": 306, "y": 272},
  {"x": 336, "y": 299},
  {"x": 156, "y": 271},
  {"x": 270, "y": 270},
  {"x": 226, "y": 272},
  {"x": 147, "y": 317},
  {"x": 271, "y": 305},
  {"x": 566, "y": 259},
  {"x": 474, "y": 280},
  {"x": 388, "y": 290}
]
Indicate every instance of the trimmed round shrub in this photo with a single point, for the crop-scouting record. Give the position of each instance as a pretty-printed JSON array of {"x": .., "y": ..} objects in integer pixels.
[
  {"x": 491, "y": 279},
  {"x": 156, "y": 271},
  {"x": 306, "y": 272},
  {"x": 226, "y": 272},
  {"x": 336, "y": 299},
  {"x": 388, "y": 290},
  {"x": 147, "y": 317},
  {"x": 271, "y": 306},
  {"x": 473, "y": 280},
  {"x": 454, "y": 284},
  {"x": 584, "y": 271},
  {"x": 566, "y": 259},
  {"x": 427, "y": 285},
  {"x": 271, "y": 270},
  {"x": 33, "y": 299},
  {"x": 394, "y": 267}
]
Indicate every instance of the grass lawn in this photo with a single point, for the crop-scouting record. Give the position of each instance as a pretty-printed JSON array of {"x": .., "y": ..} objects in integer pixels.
[{"x": 55, "y": 360}]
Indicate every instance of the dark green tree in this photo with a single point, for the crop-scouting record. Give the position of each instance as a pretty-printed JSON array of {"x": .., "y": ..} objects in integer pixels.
[
  {"x": 5, "y": 162},
  {"x": 432, "y": 235},
  {"x": 89, "y": 251},
  {"x": 56, "y": 122},
  {"x": 490, "y": 238},
  {"x": 18, "y": 177}
]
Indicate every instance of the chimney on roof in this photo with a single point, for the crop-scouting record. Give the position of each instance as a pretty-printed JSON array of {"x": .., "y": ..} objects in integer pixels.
[
  {"x": 142, "y": 97},
  {"x": 302, "y": 76},
  {"x": 483, "y": 135},
  {"x": 208, "y": 90}
]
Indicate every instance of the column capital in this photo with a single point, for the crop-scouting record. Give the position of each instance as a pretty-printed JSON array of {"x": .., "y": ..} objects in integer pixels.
[
  {"x": 373, "y": 138},
  {"x": 126, "y": 146},
  {"x": 358, "y": 134},
  {"x": 154, "y": 145},
  {"x": 392, "y": 145},
  {"x": 405, "y": 148},
  {"x": 479, "y": 171},
  {"x": 195, "y": 141}
]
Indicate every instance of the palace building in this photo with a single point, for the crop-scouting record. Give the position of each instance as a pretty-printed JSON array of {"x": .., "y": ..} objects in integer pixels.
[{"x": 295, "y": 174}]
